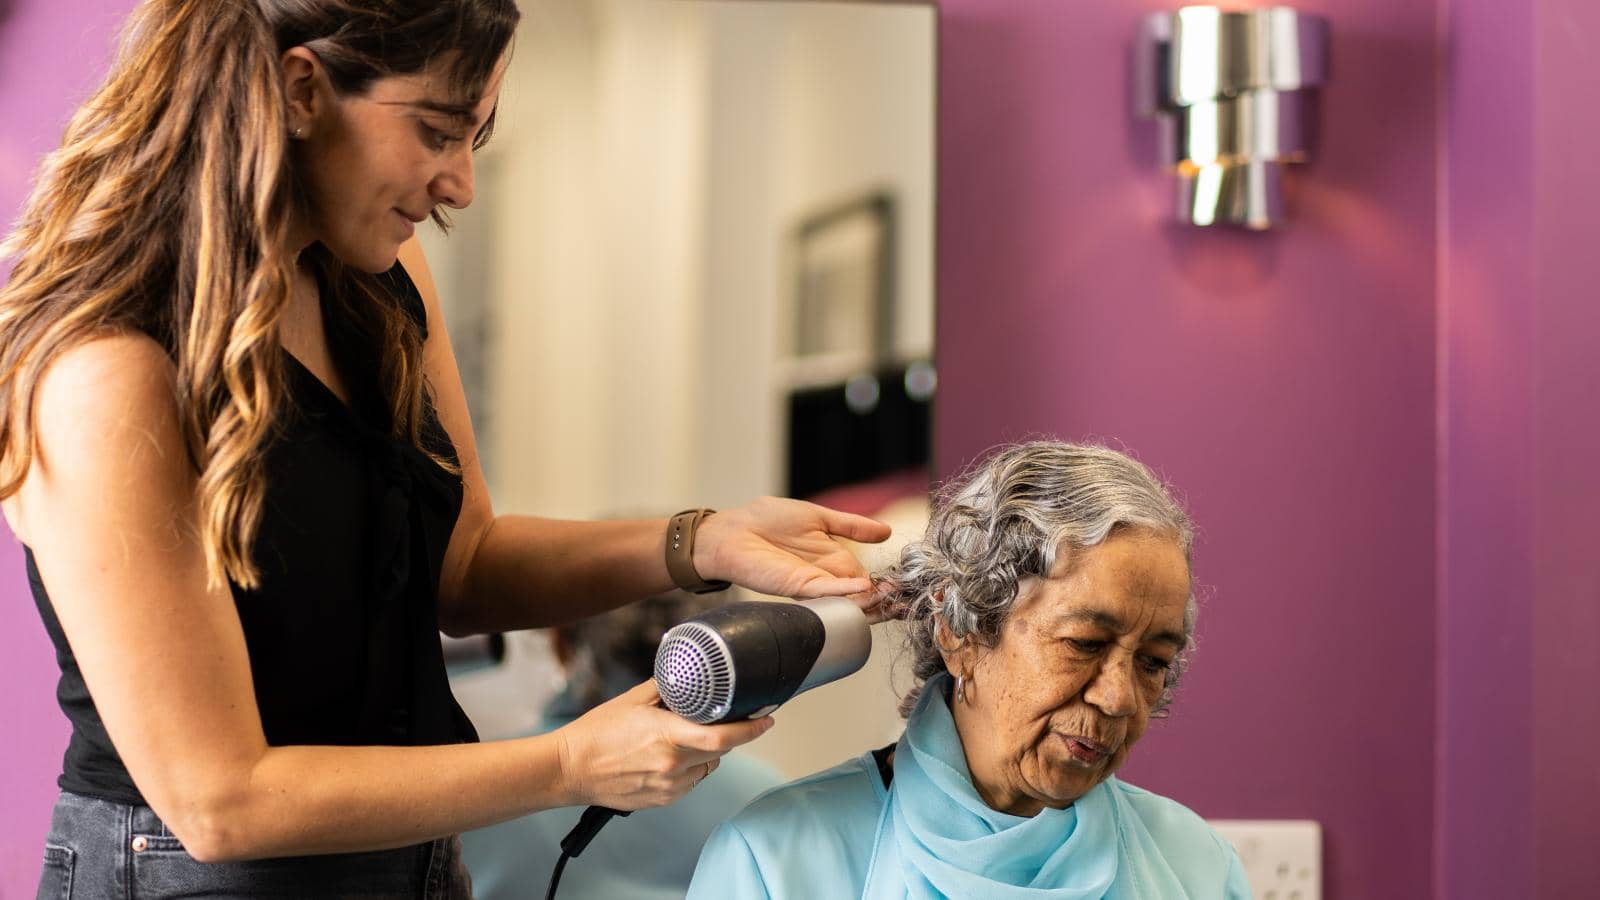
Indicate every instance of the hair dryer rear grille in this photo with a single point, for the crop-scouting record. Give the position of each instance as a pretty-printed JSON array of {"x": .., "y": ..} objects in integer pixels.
[{"x": 694, "y": 673}]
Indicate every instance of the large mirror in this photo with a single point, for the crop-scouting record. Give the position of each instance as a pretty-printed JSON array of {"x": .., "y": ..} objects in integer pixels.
[{"x": 699, "y": 268}]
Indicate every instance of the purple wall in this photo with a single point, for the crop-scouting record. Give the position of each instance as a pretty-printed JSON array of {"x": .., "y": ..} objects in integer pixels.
[
  {"x": 1522, "y": 439},
  {"x": 1517, "y": 787},
  {"x": 52, "y": 53},
  {"x": 1566, "y": 417},
  {"x": 1487, "y": 266}
]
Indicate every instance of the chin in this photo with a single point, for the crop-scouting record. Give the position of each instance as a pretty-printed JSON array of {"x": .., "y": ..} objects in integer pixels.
[
  {"x": 1068, "y": 794},
  {"x": 378, "y": 268},
  {"x": 372, "y": 260},
  {"x": 1073, "y": 780},
  {"x": 365, "y": 249}
]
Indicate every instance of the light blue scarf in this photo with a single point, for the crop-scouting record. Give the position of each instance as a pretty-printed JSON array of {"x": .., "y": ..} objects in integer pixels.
[{"x": 937, "y": 838}]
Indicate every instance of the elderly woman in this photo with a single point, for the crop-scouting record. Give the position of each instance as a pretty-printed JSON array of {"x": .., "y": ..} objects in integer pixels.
[{"x": 1048, "y": 606}]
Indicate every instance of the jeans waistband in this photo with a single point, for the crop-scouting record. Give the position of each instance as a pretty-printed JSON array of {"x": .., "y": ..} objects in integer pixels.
[{"x": 101, "y": 848}]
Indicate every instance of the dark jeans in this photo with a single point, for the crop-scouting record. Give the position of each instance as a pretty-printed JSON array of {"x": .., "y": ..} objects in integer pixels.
[{"x": 98, "y": 849}]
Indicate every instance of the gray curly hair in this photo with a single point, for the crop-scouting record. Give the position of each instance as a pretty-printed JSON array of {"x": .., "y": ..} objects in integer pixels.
[{"x": 1007, "y": 518}]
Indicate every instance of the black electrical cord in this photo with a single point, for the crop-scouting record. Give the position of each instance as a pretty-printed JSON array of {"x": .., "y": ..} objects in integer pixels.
[
  {"x": 555, "y": 877},
  {"x": 589, "y": 824}
]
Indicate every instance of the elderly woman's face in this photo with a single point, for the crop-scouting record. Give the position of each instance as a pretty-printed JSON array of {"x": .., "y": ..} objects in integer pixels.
[{"x": 1054, "y": 706}]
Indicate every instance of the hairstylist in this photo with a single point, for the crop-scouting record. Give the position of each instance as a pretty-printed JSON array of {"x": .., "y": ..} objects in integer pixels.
[{"x": 234, "y": 443}]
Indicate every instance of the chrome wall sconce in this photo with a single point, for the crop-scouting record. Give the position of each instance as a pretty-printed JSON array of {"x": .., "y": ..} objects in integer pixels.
[{"x": 1229, "y": 91}]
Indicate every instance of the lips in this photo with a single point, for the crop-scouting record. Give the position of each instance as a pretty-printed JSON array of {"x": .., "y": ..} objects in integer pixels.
[
  {"x": 1086, "y": 749},
  {"x": 408, "y": 223}
]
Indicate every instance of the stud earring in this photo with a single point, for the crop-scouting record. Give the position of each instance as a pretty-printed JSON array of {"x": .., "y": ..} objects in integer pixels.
[{"x": 297, "y": 131}]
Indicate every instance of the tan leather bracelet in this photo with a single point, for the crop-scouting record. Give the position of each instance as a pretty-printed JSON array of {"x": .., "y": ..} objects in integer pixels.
[{"x": 681, "y": 530}]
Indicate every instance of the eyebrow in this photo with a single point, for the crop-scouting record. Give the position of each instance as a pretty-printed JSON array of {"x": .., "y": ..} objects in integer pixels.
[
  {"x": 1109, "y": 622},
  {"x": 461, "y": 111}
]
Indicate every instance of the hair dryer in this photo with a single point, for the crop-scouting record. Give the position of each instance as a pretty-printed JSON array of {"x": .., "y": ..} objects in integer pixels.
[{"x": 744, "y": 659}]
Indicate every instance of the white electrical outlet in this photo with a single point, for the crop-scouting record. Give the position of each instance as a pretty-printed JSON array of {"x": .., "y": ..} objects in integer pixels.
[{"x": 1282, "y": 858}]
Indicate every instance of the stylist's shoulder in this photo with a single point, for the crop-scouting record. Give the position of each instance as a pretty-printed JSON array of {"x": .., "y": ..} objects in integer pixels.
[
  {"x": 90, "y": 426},
  {"x": 104, "y": 410},
  {"x": 113, "y": 387}
]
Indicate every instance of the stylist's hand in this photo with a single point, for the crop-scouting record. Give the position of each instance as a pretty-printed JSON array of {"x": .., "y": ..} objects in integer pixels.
[
  {"x": 788, "y": 548},
  {"x": 629, "y": 753}
]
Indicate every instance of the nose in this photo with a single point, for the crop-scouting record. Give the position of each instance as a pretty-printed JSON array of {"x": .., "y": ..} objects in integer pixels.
[
  {"x": 453, "y": 186},
  {"x": 1112, "y": 691}
]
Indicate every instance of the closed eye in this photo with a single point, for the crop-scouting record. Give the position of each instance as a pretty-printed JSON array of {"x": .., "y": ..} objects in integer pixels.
[
  {"x": 1086, "y": 646},
  {"x": 1155, "y": 665},
  {"x": 439, "y": 140}
]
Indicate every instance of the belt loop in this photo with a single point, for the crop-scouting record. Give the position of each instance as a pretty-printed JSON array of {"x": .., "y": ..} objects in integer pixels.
[{"x": 125, "y": 851}]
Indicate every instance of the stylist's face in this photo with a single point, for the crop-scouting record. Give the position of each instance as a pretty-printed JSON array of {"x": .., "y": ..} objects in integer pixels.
[
  {"x": 377, "y": 164},
  {"x": 1054, "y": 706}
]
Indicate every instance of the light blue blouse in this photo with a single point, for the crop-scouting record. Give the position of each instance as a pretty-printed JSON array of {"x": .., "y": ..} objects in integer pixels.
[{"x": 833, "y": 835}]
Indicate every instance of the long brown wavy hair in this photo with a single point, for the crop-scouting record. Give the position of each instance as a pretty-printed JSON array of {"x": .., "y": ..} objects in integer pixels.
[{"x": 166, "y": 212}]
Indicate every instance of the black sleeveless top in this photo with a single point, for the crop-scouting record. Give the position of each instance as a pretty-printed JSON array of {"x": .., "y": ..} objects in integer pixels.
[{"x": 343, "y": 632}]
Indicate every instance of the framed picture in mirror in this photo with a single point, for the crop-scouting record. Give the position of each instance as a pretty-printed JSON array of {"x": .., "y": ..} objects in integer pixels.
[
  {"x": 855, "y": 411},
  {"x": 844, "y": 289}
]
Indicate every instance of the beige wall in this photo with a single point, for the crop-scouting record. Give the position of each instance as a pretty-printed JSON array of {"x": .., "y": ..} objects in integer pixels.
[{"x": 651, "y": 157}]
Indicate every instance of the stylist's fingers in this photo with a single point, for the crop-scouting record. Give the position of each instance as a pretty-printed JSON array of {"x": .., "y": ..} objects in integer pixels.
[
  {"x": 629, "y": 753},
  {"x": 701, "y": 772},
  {"x": 704, "y": 747},
  {"x": 717, "y": 739},
  {"x": 854, "y": 527},
  {"x": 644, "y": 693},
  {"x": 819, "y": 583},
  {"x": 872, "y": 605}
]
